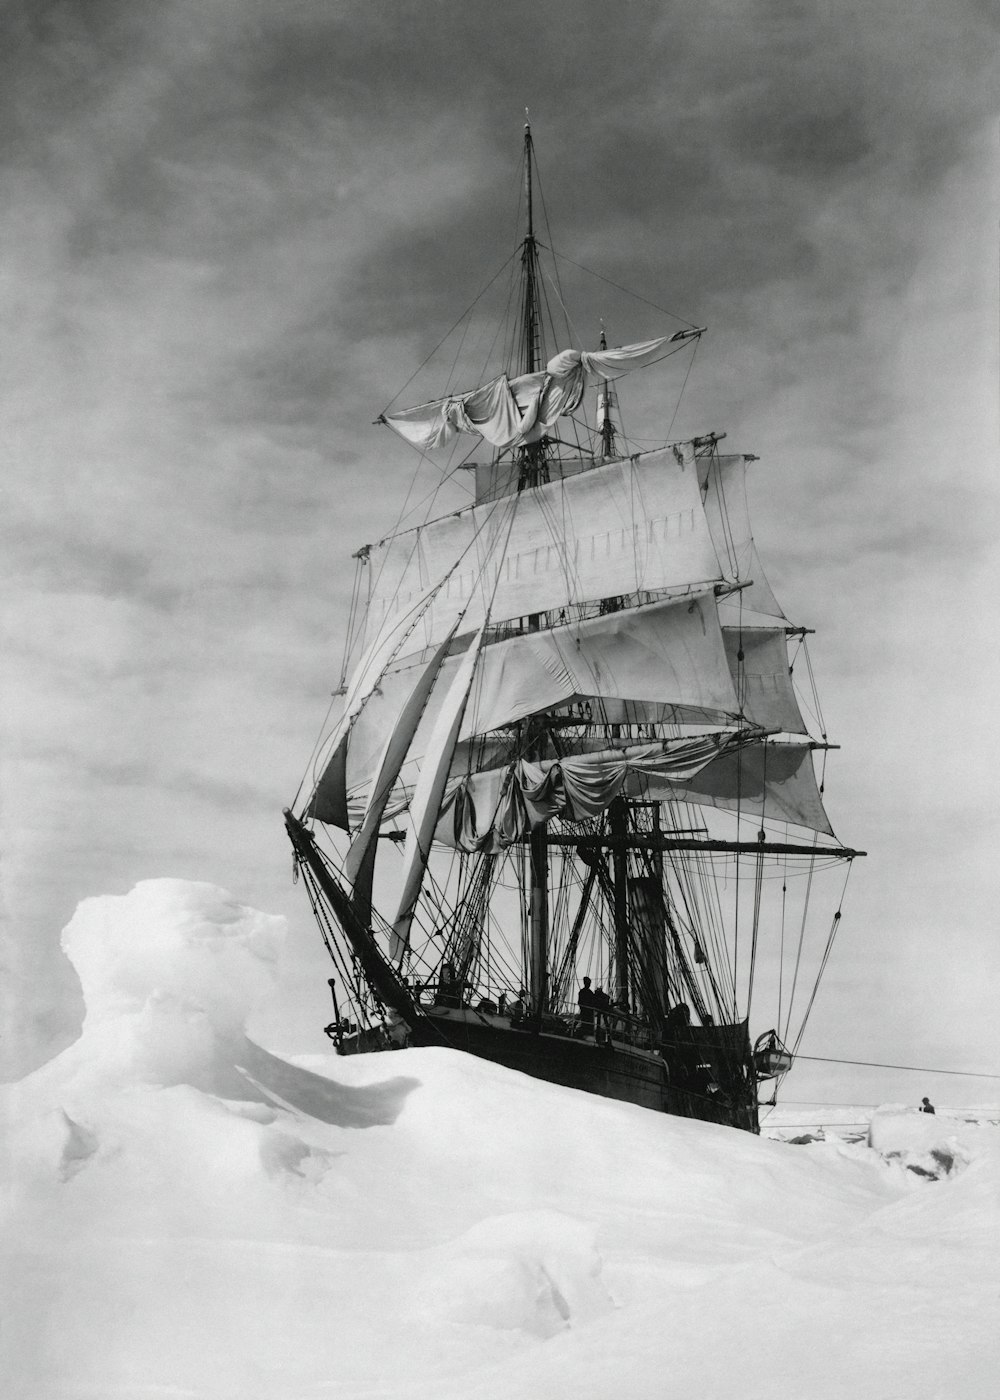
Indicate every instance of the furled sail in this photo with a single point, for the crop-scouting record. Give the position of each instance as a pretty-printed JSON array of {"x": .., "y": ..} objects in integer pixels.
[
  {"x": 492, "y": 810},
  {"x": 507, "y": 412},
  {"x": 733, "y": 772},
  {"x": 624, "y": 527}
]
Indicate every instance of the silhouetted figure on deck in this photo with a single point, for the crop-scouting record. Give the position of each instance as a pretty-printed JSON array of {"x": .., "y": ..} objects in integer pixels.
[
  {"x": 602, "y": 1005},
  {"x": 586, "y": 1003},
  {"x": 926, "y": 1106}
]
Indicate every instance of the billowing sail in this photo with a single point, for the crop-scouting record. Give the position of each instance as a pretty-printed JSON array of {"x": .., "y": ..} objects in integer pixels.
[
  {"x": 359, "y": 863},
  {"x": 723, "y": 484},
  {"x": 507, "y": 412},
  {"x": 426, "y": 803},
  {"x": 772, "y": 781},
  {"x": 629, "y": 526},
  {"x": 758, "y": 660},
  {"x": 671, "y": 651},
  {"x": 328, "y": 802}
]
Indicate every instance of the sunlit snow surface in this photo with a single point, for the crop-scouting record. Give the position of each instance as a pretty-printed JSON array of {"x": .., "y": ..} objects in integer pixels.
[{"x": 188, "y": 1216}]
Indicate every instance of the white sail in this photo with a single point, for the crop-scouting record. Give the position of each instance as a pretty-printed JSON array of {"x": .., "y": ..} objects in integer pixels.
[
  {"x": 328, "y": 802},
  {"x": 758, "y": 660},
  {"x": 426, "y": 804},
  {"x": 622, "y": 528},
  {"x": 772, "y": 781},
  {"x": 723, "y": 483},
  {"x": 359, "y": 862},
  {"x": 671, "y": 651},
  {"x": 665, "y": 663},
  {"x": 507, "y": 412}
]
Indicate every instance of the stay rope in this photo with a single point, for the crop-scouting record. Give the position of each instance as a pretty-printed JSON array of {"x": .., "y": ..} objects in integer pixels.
[
  {"x": 451, "y": 330},
  {"x": 912, "y": 1069},
  {"x": 561, "y": 257}
]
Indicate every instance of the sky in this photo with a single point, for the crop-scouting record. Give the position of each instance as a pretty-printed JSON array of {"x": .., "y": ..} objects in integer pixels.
[{"x": 231, "y": 231}]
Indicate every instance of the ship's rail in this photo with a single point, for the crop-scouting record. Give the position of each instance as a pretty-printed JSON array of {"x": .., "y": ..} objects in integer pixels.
[{"x": 603, "y": 1025}]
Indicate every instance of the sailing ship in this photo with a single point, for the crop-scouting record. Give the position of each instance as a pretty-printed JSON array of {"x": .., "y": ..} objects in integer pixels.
[{"x": 567, "y": 818}]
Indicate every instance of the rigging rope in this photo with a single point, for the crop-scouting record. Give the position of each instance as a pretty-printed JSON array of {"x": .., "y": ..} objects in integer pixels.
[
  {"x": 781, "y": 953},
  {"x": 560, "y": 257},
  {"x": 687, "y": 376},
  {"x": 914, "y": 1069},
  {"x": 449, "y": 332},
  {"x": 835, "y": 924},
  {"x": 802, "y": 935}
]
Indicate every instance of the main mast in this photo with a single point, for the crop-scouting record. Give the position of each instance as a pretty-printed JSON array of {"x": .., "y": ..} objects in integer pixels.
[{"x": 531, "y": 457}]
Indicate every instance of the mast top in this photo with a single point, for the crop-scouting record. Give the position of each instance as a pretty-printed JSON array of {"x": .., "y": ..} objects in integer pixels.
[{"x": 529, "y": 265}]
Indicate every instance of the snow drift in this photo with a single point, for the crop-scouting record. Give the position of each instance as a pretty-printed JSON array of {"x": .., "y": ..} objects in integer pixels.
[{"x": 188, "y": 1215}]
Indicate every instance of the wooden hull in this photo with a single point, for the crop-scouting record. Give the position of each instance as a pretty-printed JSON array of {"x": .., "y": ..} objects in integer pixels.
[
  {"x": 614, "y": 1071},
  {"x": 611, "y": 1069}
]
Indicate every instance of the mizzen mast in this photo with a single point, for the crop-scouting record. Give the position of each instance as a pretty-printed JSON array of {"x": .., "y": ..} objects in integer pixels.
[{"x": 607, "y": 402}]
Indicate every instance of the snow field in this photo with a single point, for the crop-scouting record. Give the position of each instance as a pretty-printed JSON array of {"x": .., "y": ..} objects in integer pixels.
[{"x": 186, "y": 1215}]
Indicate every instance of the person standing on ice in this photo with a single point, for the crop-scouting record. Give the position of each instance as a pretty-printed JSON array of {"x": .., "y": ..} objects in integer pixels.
[{"x": 926, "y": 1106}]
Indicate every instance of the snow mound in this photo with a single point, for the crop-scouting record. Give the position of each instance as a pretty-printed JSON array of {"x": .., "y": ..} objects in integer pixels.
[
  {"x": 923, "y": 1143},
  {"x": 170, "y": 972}
]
